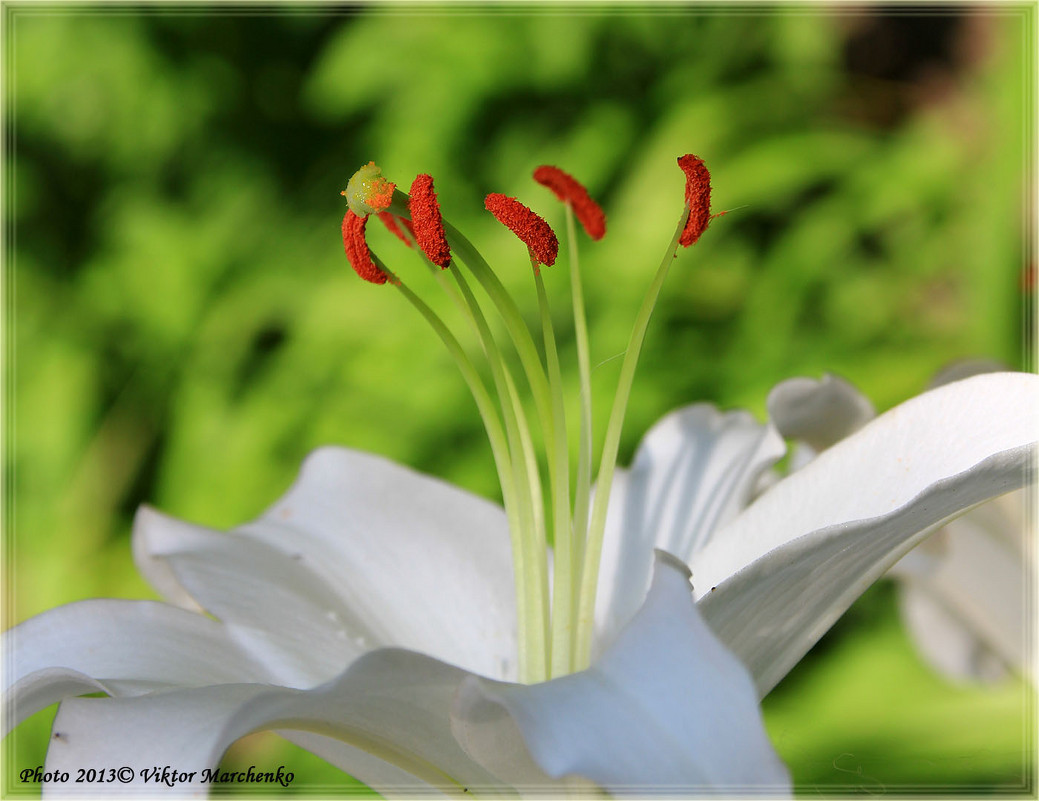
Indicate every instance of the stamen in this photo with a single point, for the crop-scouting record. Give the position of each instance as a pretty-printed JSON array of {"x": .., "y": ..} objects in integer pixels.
[
  {"x": 427, "y": 222},
  {"x": 697, "y": 198},
  {"x": 390, "y": 221},
  {"x": 368, "y": 192},
  {"x": 357, "y": 251},
  {"x": 555, "y": 631},
  {"x": 569, "y": 190},
  {"x": 698, "y": 192},
  {"x": 532, "y": 229}
]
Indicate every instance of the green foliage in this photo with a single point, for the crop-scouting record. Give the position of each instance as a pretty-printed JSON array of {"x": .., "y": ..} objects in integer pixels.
[{"x": 184, "y": 327}]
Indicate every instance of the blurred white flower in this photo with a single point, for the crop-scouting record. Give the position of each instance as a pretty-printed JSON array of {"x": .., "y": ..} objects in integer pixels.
[{"x": 964, "y": 593}]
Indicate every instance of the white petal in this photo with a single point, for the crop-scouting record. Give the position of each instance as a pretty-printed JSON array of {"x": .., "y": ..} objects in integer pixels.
[
  {"x": 42, "y": 688},
  {"x": 120, "y": 647},
  {"x": 360, "y": 524},
  {"x": 945, "y": 642},
  {"x": 385, "y": 778},
  {"x": 155, "y": 569},
  {"x": 965, "y": 605},
  {"x": 274, "y": 605},
  {"x": 777, "y": 578},
  {"x": 177, "y": 730},
  {"x": 693, "y": 472},
  {"x": 666, "y": 709},
  {"x": 962, "y": 597},
  {"x": 391, "y": 706},
  {"x": 667, "y": 706},
  {"x": 818, "y": 413}
]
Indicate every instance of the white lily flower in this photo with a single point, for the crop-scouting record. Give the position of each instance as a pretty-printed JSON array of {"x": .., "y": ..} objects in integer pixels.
[
  {"x": 332, "y": 575},
  {"x": 369, "y": 615}
]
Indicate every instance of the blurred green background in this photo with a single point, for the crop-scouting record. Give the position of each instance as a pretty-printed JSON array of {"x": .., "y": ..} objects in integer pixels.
[{"x": 182, "y": 326}]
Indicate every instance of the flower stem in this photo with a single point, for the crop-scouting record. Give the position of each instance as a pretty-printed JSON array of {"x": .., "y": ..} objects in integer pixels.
[{"x": 611, "y": 444}]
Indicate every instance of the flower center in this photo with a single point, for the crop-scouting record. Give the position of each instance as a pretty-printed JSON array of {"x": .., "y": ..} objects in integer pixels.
[{"x": 555, "y": 623}]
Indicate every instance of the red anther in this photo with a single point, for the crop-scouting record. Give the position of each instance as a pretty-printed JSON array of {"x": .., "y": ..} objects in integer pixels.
[
  {"x": 697, "y": 198},
  {"x": 427, "y": 222},
  {"x": 569, "y": 190},
  {"x": 357, "y": 249},
  {"x": 532, "y": 230},
  {"x": 391, "y": 222}
]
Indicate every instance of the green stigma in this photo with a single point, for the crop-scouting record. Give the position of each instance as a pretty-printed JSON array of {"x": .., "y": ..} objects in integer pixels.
[{"x": 368, "y": 192}]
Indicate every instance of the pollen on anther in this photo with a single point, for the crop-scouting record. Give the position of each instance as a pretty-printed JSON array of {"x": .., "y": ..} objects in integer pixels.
[
  {"x": 697, "y": 198},
  {"x": 427, "y": 221},
  {"x": 569, "y": 190},
  {"x": 357, "y": 252},
  {"x": 531, "y": 228},
  {"x": 391, "y": 223}
]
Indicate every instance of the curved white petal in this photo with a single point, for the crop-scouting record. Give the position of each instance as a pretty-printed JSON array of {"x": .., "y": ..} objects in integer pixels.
[
  {"x": 176, "y": 730},
  {"x": 962, "y": 589},
  {"x": 384, "y": 777},
  {"x": 119, "y": 647},
  {"x": 666, "y": 709},
  {"x": 773, "y": 581},
  {"x": 965, "y": 591},
  {"x": 818, "y": 413},
  {"x": 360, "y": 524},
  {"x": 42, "y": 688},
  {"x": 273, "y": 604},
  {"x": 147, "y": 525},
  {"x": 693, "y": 472},
  {"x": 391, "y": 706}
]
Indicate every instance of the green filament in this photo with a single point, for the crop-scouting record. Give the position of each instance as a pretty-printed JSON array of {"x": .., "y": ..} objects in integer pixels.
[
  {"x": 559, "y": 456},
  {"x": 527, "y": 518},
  {"x": 597, "y": 525},
  {"x": 582, "y": 493},
  {"x": 555, "y": 635},
  {"x": 528, "y": 658},
  {"x": 528, "y": 489}
]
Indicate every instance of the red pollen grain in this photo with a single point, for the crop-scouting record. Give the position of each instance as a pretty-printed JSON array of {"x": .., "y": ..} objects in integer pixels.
[
  {"x": 427, "y": 222},
  {"x": 382, "y": 197},
  {"x": 391, "y": 223},
  {"x": 357, "y": 249},
  {"x": 569, "y": 190},
  {"x": 532, "y": 229},
  {"x": 697, "y": 198}
]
